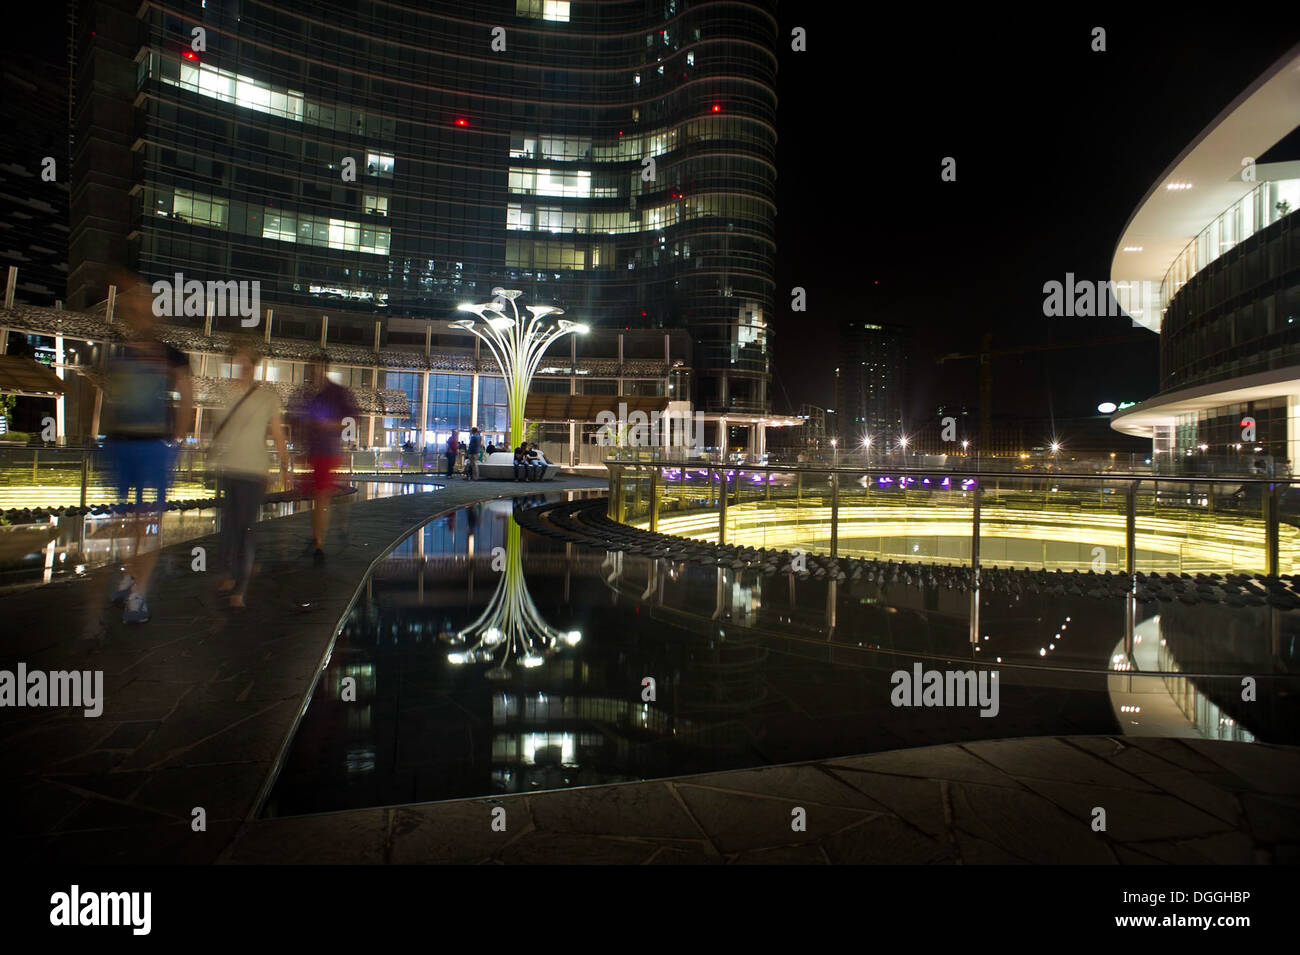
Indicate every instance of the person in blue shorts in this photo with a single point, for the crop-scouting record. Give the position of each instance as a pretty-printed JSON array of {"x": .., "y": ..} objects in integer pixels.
[{"x": 144, "y": 431}]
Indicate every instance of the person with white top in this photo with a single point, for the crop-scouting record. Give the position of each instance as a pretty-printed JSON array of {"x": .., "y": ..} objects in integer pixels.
[{"x": 238, "y": 452}]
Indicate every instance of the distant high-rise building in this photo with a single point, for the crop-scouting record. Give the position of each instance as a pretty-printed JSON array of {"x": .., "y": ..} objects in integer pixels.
[{"x": 869, "y": 384}]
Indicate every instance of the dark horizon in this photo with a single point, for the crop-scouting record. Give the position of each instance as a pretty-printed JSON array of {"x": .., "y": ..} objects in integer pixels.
[{"x": 1055, "y": 146}]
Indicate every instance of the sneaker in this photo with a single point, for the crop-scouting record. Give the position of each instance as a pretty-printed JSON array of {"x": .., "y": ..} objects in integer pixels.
[
  {"x": 122, "y": 589},
  {"x": 137, "y": 611}
]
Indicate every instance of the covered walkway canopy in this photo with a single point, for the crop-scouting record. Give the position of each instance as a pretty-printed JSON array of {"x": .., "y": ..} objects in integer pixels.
[{"x": 28, "y": 378}]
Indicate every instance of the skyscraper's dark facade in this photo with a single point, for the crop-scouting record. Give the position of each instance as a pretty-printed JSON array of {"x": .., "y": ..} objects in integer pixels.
[
  {"x": 34, "y": 173},
  {"x": 869, "y": 385},
  {"x": 614, "y": 159}
]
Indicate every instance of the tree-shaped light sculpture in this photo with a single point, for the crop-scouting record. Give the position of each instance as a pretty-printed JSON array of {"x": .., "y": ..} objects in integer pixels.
[
  {"x": 511, "y": 627},
  {"x": 517, "y": 344}
]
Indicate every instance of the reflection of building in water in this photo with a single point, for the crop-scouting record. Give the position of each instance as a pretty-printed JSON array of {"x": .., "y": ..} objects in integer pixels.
[
  {"x": 547, "y": 740},
  {"x": 1195, "y": 642},
  {"x": 1210, "y": 721}
]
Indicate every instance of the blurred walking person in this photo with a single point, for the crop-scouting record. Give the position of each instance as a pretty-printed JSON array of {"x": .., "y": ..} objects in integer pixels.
[
  {"x": 238, "y": 451},
  {"x": 473, "y": 452},
  {"x": 453, "y": 448},
  {"x": 326, "y": 410},
  {"x": 143, "y": 430}
]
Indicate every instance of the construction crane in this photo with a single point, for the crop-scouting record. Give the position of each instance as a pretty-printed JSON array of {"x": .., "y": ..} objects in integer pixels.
[{"x": 986, "y": 354}]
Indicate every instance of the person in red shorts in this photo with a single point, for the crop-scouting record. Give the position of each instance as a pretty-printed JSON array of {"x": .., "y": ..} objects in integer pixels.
[{"x": 329, "y": 410}]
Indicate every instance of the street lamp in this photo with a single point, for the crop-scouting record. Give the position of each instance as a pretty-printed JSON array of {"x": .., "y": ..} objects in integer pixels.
[{"x": 516, "y": 344}]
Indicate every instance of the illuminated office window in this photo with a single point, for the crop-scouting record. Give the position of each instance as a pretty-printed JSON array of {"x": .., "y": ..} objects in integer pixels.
[
  {"x": 557, "y": 10},
  {"x": 198, "y": 209},
  {"x": 379, "y": 164}
]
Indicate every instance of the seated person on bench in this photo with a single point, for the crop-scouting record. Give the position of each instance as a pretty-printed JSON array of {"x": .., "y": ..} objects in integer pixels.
[
  {"x": 521, "y": 461},
  {"x": 536, "y": 462}
]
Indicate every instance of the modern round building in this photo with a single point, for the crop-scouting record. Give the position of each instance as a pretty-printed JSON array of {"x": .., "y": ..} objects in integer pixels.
[{"x": 1211, "y": 261}]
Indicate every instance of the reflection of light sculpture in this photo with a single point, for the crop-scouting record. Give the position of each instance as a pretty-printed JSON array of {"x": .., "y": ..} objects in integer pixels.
[
  {"x": 511, "y": 623},
  {"x": 517, "y": 345}
]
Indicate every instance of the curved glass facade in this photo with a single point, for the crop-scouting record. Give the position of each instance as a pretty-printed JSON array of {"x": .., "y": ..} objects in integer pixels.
[
  {"x": 1238, "y": 315},
  {"x": 615, "y": 159},
  {"x": 1261, "y": 207}
]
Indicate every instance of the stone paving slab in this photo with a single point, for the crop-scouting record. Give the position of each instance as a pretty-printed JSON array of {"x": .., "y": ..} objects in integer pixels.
[
  {"x": 1031, "y": 802},
  {"x": 200, "y": 701}
]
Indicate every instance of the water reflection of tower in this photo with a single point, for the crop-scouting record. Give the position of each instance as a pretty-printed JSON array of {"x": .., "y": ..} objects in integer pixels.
[
  {"x": 720, "y": 680},
  {"x": 563, "y": 718}
]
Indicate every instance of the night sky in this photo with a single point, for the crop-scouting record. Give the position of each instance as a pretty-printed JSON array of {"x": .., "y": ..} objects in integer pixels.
[{"x": 1055, "y": 146}]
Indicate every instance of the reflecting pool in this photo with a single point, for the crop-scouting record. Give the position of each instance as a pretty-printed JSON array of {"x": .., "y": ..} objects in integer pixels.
[{"x": 483, "y": 658}]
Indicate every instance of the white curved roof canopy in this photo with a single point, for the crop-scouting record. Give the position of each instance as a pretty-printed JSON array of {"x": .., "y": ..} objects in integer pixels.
[{"x": 1168, "y": 219}]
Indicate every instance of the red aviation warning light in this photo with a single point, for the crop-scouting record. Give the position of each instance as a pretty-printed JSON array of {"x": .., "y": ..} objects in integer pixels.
[
  {"x": 717, "y": 107},
  {"x": 462, "y": 121}
]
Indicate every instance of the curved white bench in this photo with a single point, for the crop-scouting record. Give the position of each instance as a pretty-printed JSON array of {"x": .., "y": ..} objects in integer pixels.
[{"x": 500, "y": 466}]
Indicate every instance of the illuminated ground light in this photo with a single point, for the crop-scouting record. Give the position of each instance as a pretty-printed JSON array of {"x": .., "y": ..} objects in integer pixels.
[{"x": 1195, "y": 540}]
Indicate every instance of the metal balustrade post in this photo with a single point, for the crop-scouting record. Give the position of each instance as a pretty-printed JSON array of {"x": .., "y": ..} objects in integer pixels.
[
  {"x": 654, "y": 500},
  {"x": 1272, "y": 520},
  {"x": 722, "y": 506},
  {"x": 977, "y": 490},
  {"x": 85, "y": 475},
  {"x": 1130, "y": 531},
  {"x": 1130, "y": 565},
  {"x": 835, "y": 514}
]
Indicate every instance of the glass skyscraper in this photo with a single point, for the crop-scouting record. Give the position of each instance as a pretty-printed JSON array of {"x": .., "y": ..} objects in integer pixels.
[{"x": 387, "y": 161}]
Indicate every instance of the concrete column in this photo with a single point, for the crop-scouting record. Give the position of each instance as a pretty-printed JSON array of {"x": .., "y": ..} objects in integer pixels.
[
  {"x": 97, "y": 413},
  {"x": 574, "y": 457},
  {"x": 473, "y": 400},
  {"x": 266, "y": 332},
  {"x": 324, "y": 329}
]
